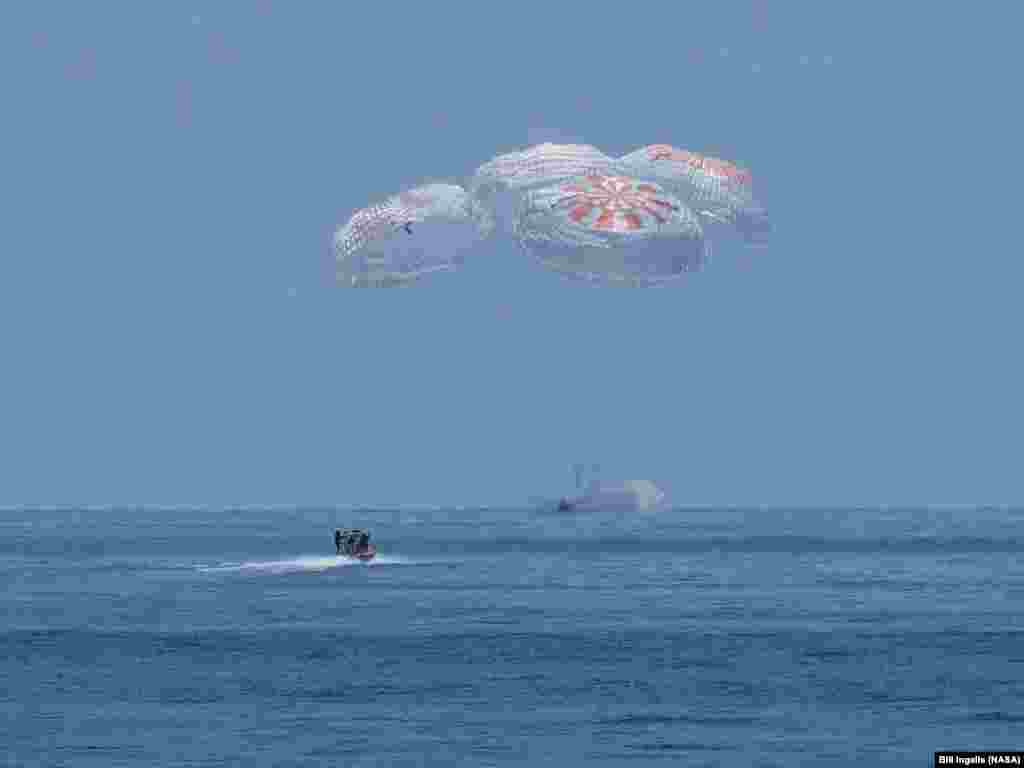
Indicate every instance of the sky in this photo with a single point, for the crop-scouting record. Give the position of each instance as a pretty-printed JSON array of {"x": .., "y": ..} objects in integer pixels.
[{"x": 173, "y": 173}]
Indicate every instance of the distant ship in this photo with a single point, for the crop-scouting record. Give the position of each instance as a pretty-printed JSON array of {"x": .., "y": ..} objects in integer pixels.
[{"x": 630, "y": 495}]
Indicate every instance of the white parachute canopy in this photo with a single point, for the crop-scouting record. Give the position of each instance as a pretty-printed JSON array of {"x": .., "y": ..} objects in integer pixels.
[
  {"x": 499, "y": 183},
  {"x": 717, "y": 190},
  {"x": 426, "y": 229},
  {"x": 611, "y": 229},
  {"x": 541, "y": 165}
]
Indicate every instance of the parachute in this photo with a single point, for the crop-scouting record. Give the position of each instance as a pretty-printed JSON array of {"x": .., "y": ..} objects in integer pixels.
[
  {"x": 421, "y": 231},
  {"x": 636, "y": 220},
  {"x": 611, "y": 229},
  {"x": 716, "y": 189},
  {"x": 541, "y": 165},
  {"x": 499, "y": 183}
]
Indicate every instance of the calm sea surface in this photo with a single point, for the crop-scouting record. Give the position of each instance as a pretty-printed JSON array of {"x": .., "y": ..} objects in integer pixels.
[{"x": 696, "y": 637}]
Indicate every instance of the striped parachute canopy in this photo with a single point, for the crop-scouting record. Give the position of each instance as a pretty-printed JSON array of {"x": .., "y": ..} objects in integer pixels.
[
  {"x": 611, "y": 229},
  {"x": 717, "y": 190},
  {"x": 500, "y": 182},
  {"x": 427, "y": 229}
]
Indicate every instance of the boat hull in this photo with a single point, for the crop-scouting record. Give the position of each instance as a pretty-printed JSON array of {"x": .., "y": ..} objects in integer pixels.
[{"x": 366, "y": 555}]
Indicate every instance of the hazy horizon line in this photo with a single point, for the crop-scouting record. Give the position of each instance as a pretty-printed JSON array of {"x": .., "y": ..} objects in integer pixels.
[{"x": 833, "y": 507}]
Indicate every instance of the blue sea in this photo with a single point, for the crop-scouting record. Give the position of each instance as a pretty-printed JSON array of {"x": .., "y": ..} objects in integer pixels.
[{"x": 510, "y": 637}]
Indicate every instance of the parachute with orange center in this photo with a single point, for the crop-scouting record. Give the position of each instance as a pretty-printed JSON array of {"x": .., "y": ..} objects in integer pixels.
[{"x": 612, "y": 230}]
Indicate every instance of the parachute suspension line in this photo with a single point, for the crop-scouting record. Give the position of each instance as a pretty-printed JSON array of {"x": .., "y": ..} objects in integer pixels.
[{"x": 562, "y": 201}]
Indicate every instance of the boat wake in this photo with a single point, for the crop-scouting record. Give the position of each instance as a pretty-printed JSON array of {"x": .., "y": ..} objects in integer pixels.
[{"x": 306, "y": 564}]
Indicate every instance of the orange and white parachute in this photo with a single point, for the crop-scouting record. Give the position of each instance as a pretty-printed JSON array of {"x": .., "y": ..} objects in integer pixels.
[
  {"x": 499, "y": 183},
  {"x": 611, "y": 229},
  {"x": 541, "y": 165},
  {"x": 636, "y": 220},
  {"x": 717, "y": 190},
  {"x": 423, "y": 230}
]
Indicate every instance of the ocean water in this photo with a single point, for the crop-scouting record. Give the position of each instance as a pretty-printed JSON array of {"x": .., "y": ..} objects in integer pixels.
[{"x": 509, "y": 637}]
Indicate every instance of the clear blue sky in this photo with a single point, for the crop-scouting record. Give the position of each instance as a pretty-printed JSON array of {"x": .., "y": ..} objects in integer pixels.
[{"x": 170, "y": 186}]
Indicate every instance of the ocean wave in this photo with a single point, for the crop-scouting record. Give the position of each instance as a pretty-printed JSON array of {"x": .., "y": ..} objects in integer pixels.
[{"x": 304, "y": 564}]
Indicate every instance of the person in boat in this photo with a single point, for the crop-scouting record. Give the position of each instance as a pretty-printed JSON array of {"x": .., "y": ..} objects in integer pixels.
[{"x": 351, "y": 541}]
